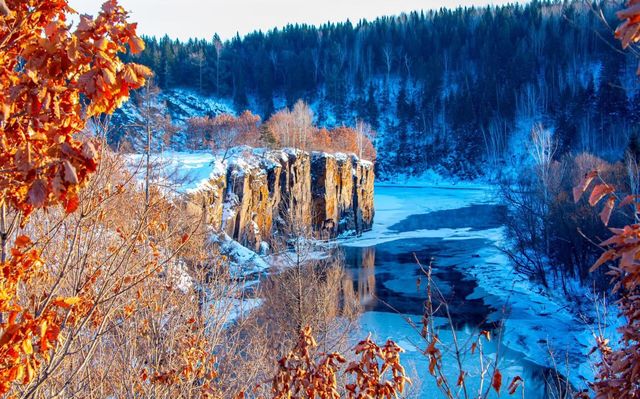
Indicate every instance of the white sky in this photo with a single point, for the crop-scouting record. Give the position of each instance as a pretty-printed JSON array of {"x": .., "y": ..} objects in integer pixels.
[{"x": 202, "y": 18}]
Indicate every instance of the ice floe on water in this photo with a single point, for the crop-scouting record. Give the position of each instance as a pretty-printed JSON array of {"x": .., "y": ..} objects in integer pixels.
[{"x": 542, "y": 330}]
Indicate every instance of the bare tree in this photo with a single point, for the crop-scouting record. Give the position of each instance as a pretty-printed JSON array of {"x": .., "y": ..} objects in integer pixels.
[
  {"x": 198, "y": 59},
  {"x": 302, "y": 124},
  {"x": 543, "y": 149},
  {"x": 364, "y": 135},
  {"x": 495, "y": 139},
  {"x": 218, "y": 45},
  {"x": 388, "y": 60}
]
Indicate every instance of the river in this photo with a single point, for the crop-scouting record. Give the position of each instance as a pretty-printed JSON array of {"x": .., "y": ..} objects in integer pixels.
[{"x": 460, "y": 230}]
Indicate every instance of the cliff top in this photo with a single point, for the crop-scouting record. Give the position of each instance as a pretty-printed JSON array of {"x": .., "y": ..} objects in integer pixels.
[{"x": 190, "y": 172}]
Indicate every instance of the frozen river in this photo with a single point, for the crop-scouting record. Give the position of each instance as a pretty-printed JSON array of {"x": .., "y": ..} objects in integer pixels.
[{"x": 462, "y": 231}]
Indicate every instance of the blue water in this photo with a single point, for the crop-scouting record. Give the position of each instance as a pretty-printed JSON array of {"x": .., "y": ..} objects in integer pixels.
[{"x": 391, "y": 286}]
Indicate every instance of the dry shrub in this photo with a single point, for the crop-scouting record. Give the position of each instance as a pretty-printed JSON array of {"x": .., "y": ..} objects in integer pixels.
[
  {"x": 314, "y": 293},
  {"x": 286, "y": 128},
  {"x": 294, "y": 129},
  {"x": 224, "y": 131},
  {"x": 153, "y": 297},
  {"x": 376, "y": 372},
  {"x": 618, "y": 373}
]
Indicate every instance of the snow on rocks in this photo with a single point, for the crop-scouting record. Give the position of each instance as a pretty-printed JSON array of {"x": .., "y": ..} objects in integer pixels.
[{"x": 250, "y": 193}]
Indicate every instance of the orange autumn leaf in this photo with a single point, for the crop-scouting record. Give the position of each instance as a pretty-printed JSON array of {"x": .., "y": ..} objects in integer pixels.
[
  {"x": 628, "y": 32},
  {"x": 128, "y": 310},
  {"x": 605, "y": 215},
  {"x": 22, "y": 241},
  {"x": 67, "y": 302},
  {"x": 136, "y": 45},
  {"x": 604, "y": 258},
  {"x": 599, "y": 192},
  {"x": 43, "y": 109},
  {"x": 584, "y": 184}
]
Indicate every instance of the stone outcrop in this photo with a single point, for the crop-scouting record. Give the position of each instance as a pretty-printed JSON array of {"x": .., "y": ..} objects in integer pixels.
[
  {"x": 325, "y": 186},
  {"x": 288, "y": 192}
]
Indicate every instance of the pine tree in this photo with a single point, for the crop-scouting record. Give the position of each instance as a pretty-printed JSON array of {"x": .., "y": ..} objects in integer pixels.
[{"x": 371, "y": 108}]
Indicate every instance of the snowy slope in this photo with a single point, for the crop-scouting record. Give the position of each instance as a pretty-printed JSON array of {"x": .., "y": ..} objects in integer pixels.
[{"x": 177, "y": 104}]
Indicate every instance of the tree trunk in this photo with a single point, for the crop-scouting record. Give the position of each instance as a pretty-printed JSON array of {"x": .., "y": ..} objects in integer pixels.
[{"x": 4, "y": 233}]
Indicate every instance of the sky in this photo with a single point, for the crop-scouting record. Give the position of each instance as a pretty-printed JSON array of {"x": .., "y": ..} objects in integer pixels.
[{"x": 184, "y": 19}]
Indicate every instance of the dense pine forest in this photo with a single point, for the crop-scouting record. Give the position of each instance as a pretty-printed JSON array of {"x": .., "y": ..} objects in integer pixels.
[{"x": 461, "y": 85}]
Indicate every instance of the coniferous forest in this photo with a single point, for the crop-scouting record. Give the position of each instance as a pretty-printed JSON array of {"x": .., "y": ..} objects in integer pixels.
[{"x": 460, "y": 85}]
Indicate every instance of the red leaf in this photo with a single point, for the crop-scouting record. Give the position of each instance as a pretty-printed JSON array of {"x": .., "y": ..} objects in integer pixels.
[
  {"x": 23, "y": 241},
  {"x": 599, "y": 192},
  {"x": 605, "y": 215},
  {"x": 432, "y": 365},
  {"x": 496, "y": 381},
  {"x": 461, "y": 378},
  {"x": 584, "y": 184},
  {"x": 72, "y": 204},
  {"x": 515, "y": 383}
]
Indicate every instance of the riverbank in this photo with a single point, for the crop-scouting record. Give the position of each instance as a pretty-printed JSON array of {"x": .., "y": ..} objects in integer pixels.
[{"x": 539, "y": 329}]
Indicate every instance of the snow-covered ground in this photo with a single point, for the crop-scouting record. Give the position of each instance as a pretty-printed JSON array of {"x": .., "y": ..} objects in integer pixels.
[
  {"x": 184, "y": 171},
  {"x": 537, "y": 323}
]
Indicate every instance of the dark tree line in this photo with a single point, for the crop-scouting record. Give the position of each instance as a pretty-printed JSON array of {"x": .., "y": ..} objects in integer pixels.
[{"x": 445, "y": 87}]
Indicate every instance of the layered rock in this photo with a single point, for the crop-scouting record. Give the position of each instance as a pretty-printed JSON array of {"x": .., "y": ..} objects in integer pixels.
[
  {"x": 289, "y": 192},
  {"x": 295, "y": 191},
  {"x": 325, "y": 186},
  {"x": 363, "y": 178}
]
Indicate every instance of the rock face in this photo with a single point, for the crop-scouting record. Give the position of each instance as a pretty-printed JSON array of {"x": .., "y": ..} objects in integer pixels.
[
  {"x": 211, "y": 199},
  {"x": 363, "y": 180},
  {"x": 288, "y": 192},
  {"x": 325, "y": 186}
]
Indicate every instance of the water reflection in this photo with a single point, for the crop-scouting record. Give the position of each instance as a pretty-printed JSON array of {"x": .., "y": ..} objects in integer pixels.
[
  {"x": 390, "y": 286},
  {"x": 388, "y": 278},
  {"x": 366, "y": 280}
]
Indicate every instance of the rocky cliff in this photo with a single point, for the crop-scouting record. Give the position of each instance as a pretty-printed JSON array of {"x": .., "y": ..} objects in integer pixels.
[{"x": 259, "y": 194}]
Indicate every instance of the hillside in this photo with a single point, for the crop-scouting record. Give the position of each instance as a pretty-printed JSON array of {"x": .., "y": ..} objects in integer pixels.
[{"x": 457, "y": 91}]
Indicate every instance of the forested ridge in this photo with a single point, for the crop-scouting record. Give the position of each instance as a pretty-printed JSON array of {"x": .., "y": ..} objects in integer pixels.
[{"x": 459, "y": 85}]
